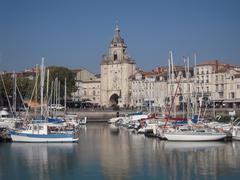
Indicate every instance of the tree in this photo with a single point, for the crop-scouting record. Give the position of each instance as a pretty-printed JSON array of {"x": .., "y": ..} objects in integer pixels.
[
  {"x": 24, "y": 84},
  {"x": 6, "y": 80},
  {"x": 60, "y": 73}
]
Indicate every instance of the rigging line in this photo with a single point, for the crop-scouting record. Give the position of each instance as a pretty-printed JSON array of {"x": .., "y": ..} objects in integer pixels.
[
  {"x": 22, "y": 100},
  {"x": 6, "y": 94},
  {"x": 170, "y": 109},
  {"x": 33, "y": 92}
]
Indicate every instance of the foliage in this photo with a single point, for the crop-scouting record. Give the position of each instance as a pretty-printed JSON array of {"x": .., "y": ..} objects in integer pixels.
[
  {"x": 25, "y": 86},
  {"x": 60, "y": 73}
]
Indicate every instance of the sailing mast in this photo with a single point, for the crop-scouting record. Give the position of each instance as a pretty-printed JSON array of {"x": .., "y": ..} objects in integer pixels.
[
  {"x": 42, "y": 84},
  {"x": 188, "y": 89},
  {"x": 172, "y": 81},
  {"x": 195, "y": 80},
  {"x": 36, "y": 90},
  {"x": 65, "y": 96},
  {"x": 14, "y": 94},
  {"x": 46, "y": 100}
]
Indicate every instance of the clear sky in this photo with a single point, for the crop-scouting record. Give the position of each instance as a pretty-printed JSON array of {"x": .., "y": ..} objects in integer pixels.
[{"x": 76, "y": 33}]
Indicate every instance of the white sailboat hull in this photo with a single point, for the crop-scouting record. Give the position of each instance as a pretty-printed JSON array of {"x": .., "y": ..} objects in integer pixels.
[
  {"x": 236, "y": 138},
  {"x": 194, "y": 137}
]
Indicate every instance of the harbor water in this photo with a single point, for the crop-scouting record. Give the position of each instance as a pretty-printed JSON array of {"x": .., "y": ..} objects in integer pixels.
[{"x": 103, "y": 154}]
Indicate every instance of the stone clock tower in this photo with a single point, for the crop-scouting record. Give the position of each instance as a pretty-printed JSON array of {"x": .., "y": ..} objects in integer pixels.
[{"x": 116, "y": 68}]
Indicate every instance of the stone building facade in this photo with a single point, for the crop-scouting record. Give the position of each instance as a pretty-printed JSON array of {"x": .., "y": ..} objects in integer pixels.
[
  {"x": 148, "y": 89},
  {"x": 116, "y": 68},
  {"x": 218, "y": 82},
  {"x": 88, "y": 86}
]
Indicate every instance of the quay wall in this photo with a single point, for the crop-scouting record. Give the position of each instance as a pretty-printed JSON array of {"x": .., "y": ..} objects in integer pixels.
[{"x": 96, "y": 115}]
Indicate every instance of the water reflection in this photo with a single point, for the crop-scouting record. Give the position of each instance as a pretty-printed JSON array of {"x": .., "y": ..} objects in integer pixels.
[
  {"x": 100, "y": 154},
  {"x": 34, "y": 161}
]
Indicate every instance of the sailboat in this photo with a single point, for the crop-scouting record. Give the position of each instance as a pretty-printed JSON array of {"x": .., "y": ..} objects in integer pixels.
[
  {"x": 195, "y": 135},
  {"x": 43, "y": 131},
  {"x": 190, "y": 133}
]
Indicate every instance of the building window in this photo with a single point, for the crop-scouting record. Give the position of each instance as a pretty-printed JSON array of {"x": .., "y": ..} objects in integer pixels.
[
  {"x": 115, "y": 56},
  {"x": 94, "y": 92},
  {"x": 222, "y": 87},
  {"x": 221, "y": 95}
]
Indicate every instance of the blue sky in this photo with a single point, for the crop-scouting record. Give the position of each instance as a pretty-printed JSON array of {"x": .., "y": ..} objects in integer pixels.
[{"x": 76, "y": 33}]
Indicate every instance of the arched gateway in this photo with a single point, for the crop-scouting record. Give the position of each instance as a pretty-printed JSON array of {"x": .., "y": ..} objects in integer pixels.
[{"x": 114, "y": 99}]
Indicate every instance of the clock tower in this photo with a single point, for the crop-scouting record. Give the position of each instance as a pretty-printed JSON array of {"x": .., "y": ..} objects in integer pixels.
[{"x": 116, "y": 68}]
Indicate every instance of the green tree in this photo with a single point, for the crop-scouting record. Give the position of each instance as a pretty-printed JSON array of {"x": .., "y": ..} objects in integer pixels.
[
  {"x": 24, "y": 84},
  {"x": 7, "y": 81},
  {"x": 61, "y": 73}
]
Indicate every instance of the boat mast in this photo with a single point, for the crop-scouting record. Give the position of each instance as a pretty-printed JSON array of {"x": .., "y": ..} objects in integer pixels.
[
  {"x": 195, "y": 79},
  {"x": 169, "y": 78},
  {"x": 59, "y": 87},
  {"x": 14, "y": 94},
  {"x": 188, "y": 89},
  {"x": 172, "y": 82},
  {"x": 65, "y": 96},
  {"x": 36, "y": 91},
  {"x": 47, "y": 92},
  {"x": 42, "y": 84}
]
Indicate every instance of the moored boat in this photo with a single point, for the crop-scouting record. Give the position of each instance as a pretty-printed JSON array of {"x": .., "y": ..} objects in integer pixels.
[
  {"x": 236, "y": 131},
  {"x": 7, "y": 121},
  {"x": 195, "y": 135},
  {"x": 43, "y": 132}
]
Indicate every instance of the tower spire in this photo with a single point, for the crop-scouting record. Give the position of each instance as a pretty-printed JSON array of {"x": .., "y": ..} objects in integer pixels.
[
  {"x": 117, "y": 33},
  {"x": 117, "y": 26}
]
